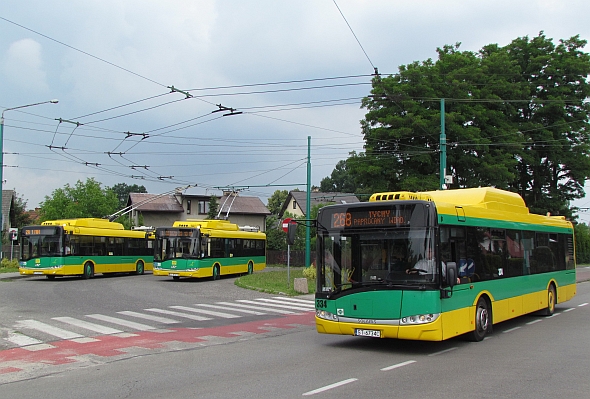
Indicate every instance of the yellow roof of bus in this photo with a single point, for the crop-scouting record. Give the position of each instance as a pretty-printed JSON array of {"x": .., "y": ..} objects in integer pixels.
[{"x": 480, "y": 202}]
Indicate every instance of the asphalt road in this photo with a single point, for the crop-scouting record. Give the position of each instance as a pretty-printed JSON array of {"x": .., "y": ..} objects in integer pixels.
[{"x": 526, "y": 358}]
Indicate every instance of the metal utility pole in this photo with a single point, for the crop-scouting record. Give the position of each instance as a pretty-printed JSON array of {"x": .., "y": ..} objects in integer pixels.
[
  {"x": 443, "y": 145},
  {"x": 308, "y": 206}
]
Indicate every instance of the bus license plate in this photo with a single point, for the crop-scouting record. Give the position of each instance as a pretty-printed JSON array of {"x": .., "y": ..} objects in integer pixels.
[
  {"x": 173, "y": 274},
  {"x": 37, "y": 272},
  {"x": 367, "y": 333}
]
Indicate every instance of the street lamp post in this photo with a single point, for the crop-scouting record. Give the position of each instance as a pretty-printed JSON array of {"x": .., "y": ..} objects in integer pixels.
[{"x": 2, "y": 160}]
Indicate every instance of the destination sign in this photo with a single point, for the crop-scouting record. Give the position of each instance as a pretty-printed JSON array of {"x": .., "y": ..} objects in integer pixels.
[
  {"x": 368, "y": 218},
  {"x": 39, "y": 230},
  {"x": 175, "y": 233},
  {"x": 365, "y": 217}
]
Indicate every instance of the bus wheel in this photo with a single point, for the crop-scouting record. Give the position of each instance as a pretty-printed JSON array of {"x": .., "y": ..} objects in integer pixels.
[
  {"x": 49, "y": 277},
  {"x": 216, "y": 272},
  {"x": 176, "y": 278},
  {"x": 88, "y": 271},
  {"x": 250, "y": 268},
  {"x": 551, "y": 300},
  {"x": 482, "y": 321},
  {"x": 139, "y": 268}
]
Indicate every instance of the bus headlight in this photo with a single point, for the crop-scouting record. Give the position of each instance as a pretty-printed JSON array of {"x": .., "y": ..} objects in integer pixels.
[
  {"x": 322, "y": 314},
  {"x": 419, "y": 319}
]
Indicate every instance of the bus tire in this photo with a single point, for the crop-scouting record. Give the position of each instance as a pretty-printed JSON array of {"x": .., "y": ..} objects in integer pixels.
[
  {"x": 483, "y": 320},
  {"x": 250, "y": 268},
  {"x": 175, "y": 278},
  {"x": 88, "y": 271},
  {"x": 216, "y": 272},
  {"x": 551, "y": 301},
  {"x": 139, "y": 268},
  {"x": 50, "y": 277}
]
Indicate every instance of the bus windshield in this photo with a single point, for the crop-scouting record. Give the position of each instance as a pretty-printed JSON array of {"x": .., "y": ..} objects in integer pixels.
[
  {"x": 41, "y": 241},
  {"x": 401, "y": 256},
  {"x": 174, "y": 243}
]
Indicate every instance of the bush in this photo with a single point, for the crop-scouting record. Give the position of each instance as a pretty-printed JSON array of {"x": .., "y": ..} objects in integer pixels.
[{"x": 310, "y": 272}]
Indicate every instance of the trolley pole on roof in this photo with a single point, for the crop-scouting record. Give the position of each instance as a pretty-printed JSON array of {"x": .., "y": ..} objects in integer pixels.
[{"x": 308, "y": 206}]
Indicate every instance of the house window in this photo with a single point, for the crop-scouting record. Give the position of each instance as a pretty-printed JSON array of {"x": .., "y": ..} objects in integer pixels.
[
  {"x": 188, "y": 207},
  {"x": 294, "y": 204},
  {"x": 203, "y": 207}
]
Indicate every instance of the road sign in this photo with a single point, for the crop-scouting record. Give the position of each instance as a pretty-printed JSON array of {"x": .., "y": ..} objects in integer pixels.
[
  {"x": 286, "y": 223},
  {"x": 13, "y": 233}
]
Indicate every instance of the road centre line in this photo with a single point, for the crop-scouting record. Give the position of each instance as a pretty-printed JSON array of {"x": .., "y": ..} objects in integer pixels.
[
  {"x": 444, "y": 351},
  {"x": 534, "y": 321},
  {"x": 583, "y": 304},
  {"x": 328, "y": 387},
  {"x": 569, "y": 310},
  {"x": 510, "y": 330},
  {"x": 395, "y": 366}
]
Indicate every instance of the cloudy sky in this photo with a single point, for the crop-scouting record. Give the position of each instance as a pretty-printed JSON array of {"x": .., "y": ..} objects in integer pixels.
[{"x": 294, "y": 69}]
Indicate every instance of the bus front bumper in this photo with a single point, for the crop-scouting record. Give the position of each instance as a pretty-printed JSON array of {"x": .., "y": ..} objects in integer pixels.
[{"x": 423, "y": 332}]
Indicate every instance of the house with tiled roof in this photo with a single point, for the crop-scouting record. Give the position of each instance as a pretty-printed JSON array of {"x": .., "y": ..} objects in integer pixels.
[
  {"x": 296, "y": 201},
  {"x": 163, "y": 210}
]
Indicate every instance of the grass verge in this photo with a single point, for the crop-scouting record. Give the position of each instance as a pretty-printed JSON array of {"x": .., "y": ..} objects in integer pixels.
[
  {"x": 8, "y": 266},
  {"x": 274, "y": 281}
]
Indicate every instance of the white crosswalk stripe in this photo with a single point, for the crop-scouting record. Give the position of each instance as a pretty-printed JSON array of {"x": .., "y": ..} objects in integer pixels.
[
  {"x": 296, "y": 300},
  {"x": 179, "y": 314},
  {"x": 291, "y": 305},
  {"x": 207, "y": 312},
  {"x": 197, "y": 312},
  {"x": 257, "y": 307},
  {"x": 121, "y": 322},
  {"x": 47, "y": 329},
  {"x": 88, "y": 326},
  {"x": 278, "y": 305},
  {"x": 232, "y": 308},
  {"x": 151, "y": 317},
  {"x": 21, "y": 340}
]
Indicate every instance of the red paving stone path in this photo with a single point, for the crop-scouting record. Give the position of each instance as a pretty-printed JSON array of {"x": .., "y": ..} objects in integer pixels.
[{"x": 106, "y": 346}]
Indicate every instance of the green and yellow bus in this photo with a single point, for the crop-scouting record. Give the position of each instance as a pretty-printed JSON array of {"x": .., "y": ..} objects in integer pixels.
[
  {"x": 492, "y": 261},
  {"x": 208, "y": 248},
  {"x": 84, "y": 247}
]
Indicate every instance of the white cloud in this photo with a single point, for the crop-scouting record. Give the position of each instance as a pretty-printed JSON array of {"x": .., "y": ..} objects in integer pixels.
[{"x": 23, "y": 66}]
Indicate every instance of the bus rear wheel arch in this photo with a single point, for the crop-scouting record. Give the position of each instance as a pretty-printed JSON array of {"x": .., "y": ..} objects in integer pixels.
[
  {"x": 250, "y": 267},
  {"x": 139, "y": 267},
  {"x": 483, "y": 320},
  {"x": 216, "y": 272},
  {"x": 88, "y": 271}
]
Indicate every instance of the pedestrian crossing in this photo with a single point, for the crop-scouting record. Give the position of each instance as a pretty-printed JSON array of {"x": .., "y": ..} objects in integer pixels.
[{"x": 32, "y": 333}]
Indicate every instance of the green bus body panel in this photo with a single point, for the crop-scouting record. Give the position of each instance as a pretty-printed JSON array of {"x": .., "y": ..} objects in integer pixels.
[
  {"x": 74, "y": 260},
  {"x": 186, "y": 264},
  {"x": 394, "y": 304}
]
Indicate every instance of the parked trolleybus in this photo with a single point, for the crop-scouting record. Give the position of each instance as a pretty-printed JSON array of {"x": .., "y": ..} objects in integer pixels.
[
  {"x": 208, "y": 248},
  {"x": 84, "y": 247},
  {"x": 435, "y": 265}
]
